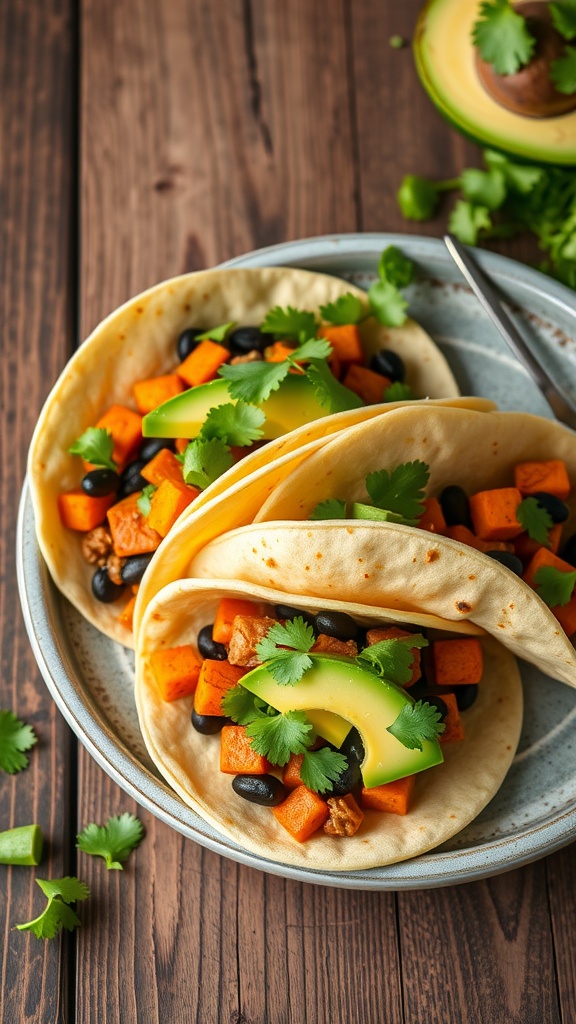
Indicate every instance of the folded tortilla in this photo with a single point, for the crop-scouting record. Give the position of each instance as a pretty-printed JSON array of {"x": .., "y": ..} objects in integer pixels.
[
  {"x": 447, "y": 797},
  {"x": 401, "y": 567},
  {"x": 138, "y": 341}
]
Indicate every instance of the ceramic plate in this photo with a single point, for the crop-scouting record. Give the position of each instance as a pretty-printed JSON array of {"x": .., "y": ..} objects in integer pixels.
[{"x": 91, "y": 677}]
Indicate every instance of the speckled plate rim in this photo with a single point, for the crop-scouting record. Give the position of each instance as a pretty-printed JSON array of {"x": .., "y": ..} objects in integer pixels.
[{"x": 333, "y": 254}]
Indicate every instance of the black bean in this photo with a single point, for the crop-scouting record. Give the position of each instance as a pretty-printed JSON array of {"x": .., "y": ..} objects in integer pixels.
[
  {"x": 558, "y": 510},
  {"x": 466, "y": 695},
  {"x": 266, "y": 790},
  {"x": 103, "y": 588},
  {"x": 134, "y": 567},
  {"x": 131, "y": 479},
  {"x": 509, "y": 559},
  {"x": 455, "y": 506},
  {"x": 208, "y": 647},
  {"x": 388, "y": 363},
  {"x": 99, "y": 482},
  {"x": 439, "y": 704},
  {"x": 351, "y": 778},
  {"x": 336, "y": 624},
  {"x": 208, "y": 725},
  {"x": 152, "y": 445},
  {"x": 187, "y": 342},
  {"x": 286, "y": 611},
  {"x": 568, "y": 552},
  {"x": 246, "y": 339}
]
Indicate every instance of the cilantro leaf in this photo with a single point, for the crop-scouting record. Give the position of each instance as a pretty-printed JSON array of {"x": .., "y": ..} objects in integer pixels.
[
  {"x": 563, "y": 14},
  {"x": 520, "y": 177},
  {"x": 254, "y": 382},
  {"x": 313, "y": 348},
  {"x": 205, "y": 461},
  {"x": 287, "y": 666},
  {"x": 57, "y": 914},
  {"x": 484, "y": 188},
  {"x": 238, "y": 703},
  {"x": 563, "y": 71},
  {"x": 320, "y": 768},
  {"x": 95, "y": 445},
  {"x": 347, "y": 309},
  {"x": 279, "y": 736},
  {"x": 290, "y": 323},
  {"x": 237, "y": 424},
  {"x": 387, "y": 304},
  {"x": 392, "y": 659},
  {"x": 398, "y": 392},
  {"x": 467, "y": 220},
  {"x": 395, "y": 267},
  {"x": 333, "y": 508},
  {"x": 417, "y": 197},
  {"x": 113, "y": 841},
  {"x": 215, "y": 333},
  {"x": 554, "y": 586},
  {"x": 143, "y": 502},
  {"x": 416, "y": 723},
  {"x": 401, "y": 490},
  {"x": 331, "y": 394},
  {"x": 535, "y": 519},
  {"x": 295, "y": 633},
  {"x": 502, "y": 37},
  {"x": 15, "y": 737}
]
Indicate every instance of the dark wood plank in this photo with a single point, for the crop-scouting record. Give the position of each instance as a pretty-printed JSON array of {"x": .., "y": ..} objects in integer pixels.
[
  {"x": 36, "y": 154},
  {"x": 561, "y": 877}
]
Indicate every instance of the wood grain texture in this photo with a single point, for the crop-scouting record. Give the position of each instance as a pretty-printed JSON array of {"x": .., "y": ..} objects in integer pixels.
[{"x": 36, "y": 171}]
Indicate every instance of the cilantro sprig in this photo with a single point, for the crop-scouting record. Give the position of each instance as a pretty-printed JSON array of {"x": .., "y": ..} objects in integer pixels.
[
  {"x": 113, "y": 841},
  {"x": 95, "y": 445},
  {"x": 400, "y": 490},
  {"x": 535, "y": 519},
  {"x": 15, "y": 738},
  {"x": 292, "y": 323},
  {"x": 554, "y": 586},
  {"x": 502, "y": 37},
  {"x": 287, "y": 666},
  {"x": 347, "y": 309},
  {"x": 387, "y": 303},
  {"x": 205, "y": 461},
  {"x": 392, "y": 659},
  {"x": 235, "y": 424},
  {"x": 58, "y": 914},
  {"x": 216, "y": 333},
  {"x": 417, "y": 723},
  {"x": 143, "y": 501}
]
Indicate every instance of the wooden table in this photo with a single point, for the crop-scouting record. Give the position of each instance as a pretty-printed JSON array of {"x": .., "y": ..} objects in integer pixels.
[{"x": 140, "y": 139}]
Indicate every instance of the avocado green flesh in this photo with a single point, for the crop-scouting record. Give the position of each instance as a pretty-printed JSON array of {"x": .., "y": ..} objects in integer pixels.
[
  {"x": 364, "y": 700},
  {"x": 291, "y": 406}
]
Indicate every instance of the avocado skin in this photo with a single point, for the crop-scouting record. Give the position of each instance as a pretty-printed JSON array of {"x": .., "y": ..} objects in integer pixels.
[{"x": 368, "y": 702}]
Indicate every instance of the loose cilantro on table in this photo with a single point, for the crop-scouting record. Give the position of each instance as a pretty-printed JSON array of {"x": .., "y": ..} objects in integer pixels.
[
  {"x": 554, "y": 586},
  {"x": 15, "y": 738},
  {"x": 216, "y": 333},
  {"x": 144, "y": 500},
  {"x": 417, "y": 723},
  {"x": 60, "y": 892},
  {"x": 205, "y": 461},
  {"x": 234, "y": 424},
  {"x": 418, "y": 198},
  {"x": 287, "y": 666},
  {"x": 392, "y": 659},
  {"x": 535, "y": 519},
  {"x": 347, "y": 309},
  {"x": 502, "y": 37},
  {"x": 113, "y": 841},
  {"x": 95, "y": 445},
  {"x": 467, "y": 220}
]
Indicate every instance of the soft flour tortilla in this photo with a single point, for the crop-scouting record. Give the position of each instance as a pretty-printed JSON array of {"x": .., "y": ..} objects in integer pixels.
[
  {"x": 215, "y": 513},
  {"x": 447, "y": 797},
  {"x": 138, "y": 341},
  {"x": 399, "y": 566}
]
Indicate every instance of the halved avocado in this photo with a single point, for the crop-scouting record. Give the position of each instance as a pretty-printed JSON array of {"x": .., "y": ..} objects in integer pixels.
[
  {"x": 445, "y": 60},
  {"x": 291, "y": 406},
  {"x": 337, "y": 684}
]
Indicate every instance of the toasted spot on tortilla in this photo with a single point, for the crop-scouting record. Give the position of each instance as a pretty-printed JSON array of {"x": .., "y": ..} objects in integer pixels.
[
  {"x": 414, "y": 560},
  {"x": 271, "y": 563},
  {"x": 254, "y": 551},
  {"x": 511, "y": 606},
  {"x": 432, "y": 555},
  {"x": 501, "y": 625},
  {"x": 348, "y": 529},
  {"x": 159, "y": 311},
  {"x": 366, "y": 575},
  {"x": 360, "y": 559},
  {"x": 309, "y": 534},
  {"x": 318, "y": 554},
  {"x": 463, "y": 606},
  {"x": 139, "y": 309},
  {"x": 307, "y": 567},
  {"x": 472, "y": 577}
]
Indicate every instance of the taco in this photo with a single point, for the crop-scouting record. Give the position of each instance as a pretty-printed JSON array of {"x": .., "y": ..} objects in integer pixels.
[
  {"x": 321, "y": 805},
  {"x": 96, "y": 395},
  {"x": 520, "y": 466}
]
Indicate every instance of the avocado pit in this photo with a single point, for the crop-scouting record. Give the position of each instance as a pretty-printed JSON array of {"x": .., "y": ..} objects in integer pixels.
[{"x": 530, "y": 91}]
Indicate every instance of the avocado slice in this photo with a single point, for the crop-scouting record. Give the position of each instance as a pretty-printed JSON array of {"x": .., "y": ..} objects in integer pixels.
[
  {"x": 339, "y": 685},
  {"x": 291, "y": 406},
  {"x": 445, "y": 60}
]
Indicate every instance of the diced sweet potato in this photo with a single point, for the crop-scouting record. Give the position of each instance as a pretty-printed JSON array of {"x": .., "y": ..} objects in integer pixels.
[
  {"x": 247, "y": 631},
  {"x": 176, "y": 671},
  {"x": 392, "y": 797},
  {"x": 125, "y": 427},
  {"x": 215, "y": 679},
  {"x": 367, "y": 384},
  {"x": 453, "y": 727},
  {"x": 237, "y": 755},
  {"x": 131, "y": 534},
  {"x": 548, "y": 475},
  {"x": 291, "y": 771},
  {"x": 525, "y": 547},
  {"x": 203, "y": 363},
  {"x": 465, "y": 536},
  {"x": 346, "y": 342},
  {"x": 457, "y": 662},
  {"x": 278, "y": 352},
  {"x": 331, "y": 645},
  {"x": 181, "y": 444},
  {"x": 164, "y": 466},
  {"x": 228, "y": 609},
  {"x": 374, "y": 636},
  {"x": 167, "y": 503},
  {"x": 149, "y": 394},
  {"x": 432, "y": 518},
  {"x": 302, "y": 813},
  {"x": 566, "y": 613},
  {"x": 78, "y": 511},
  {"x": 494, "y": 513},
  {"x": 126, "y": 617}
]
